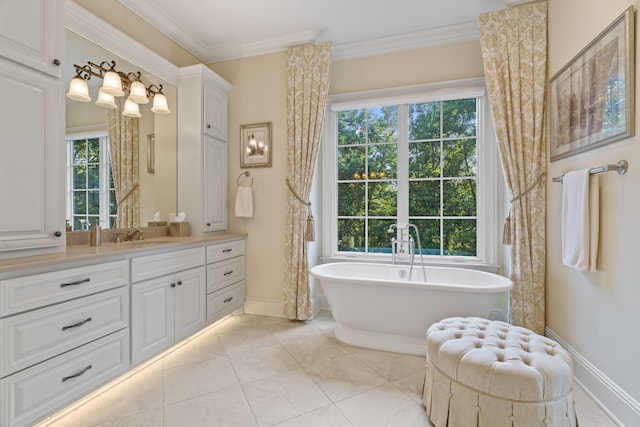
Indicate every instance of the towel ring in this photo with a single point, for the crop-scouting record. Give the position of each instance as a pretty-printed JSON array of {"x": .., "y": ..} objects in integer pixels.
[{"x": 247, "y": 174}]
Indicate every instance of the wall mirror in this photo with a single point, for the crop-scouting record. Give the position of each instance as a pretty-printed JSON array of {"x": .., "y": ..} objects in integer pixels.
[{"x": 89, "y": 191}]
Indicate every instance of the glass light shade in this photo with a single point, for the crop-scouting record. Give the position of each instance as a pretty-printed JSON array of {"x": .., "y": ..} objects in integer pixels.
[
  {"x": 131, "y": 109},
  {"x": 160, "y": 105},
  {"x": 138, "y": 93},
  {"x": 79, "y": 90},
  {"x": 112, "y": 84},
  {"x": 105, "y": 100}
]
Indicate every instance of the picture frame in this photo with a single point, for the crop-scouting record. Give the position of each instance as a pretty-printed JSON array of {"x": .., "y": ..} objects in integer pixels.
[
  {"x": 151, "y": 153},
  {"x": 255, "y": 145},
  {"x": 592, "y": 98}
]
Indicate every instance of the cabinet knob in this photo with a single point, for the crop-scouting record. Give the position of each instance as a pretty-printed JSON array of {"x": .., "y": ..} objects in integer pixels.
[
  {"x": 56, "y": 62},
  {"x": 173, "y": 285},
  {"x": 179, "y": 282},
  {"x": 57, "y": 233},
  {"x": 208, "y": 126},
  {"x": 208, "y": 224}
]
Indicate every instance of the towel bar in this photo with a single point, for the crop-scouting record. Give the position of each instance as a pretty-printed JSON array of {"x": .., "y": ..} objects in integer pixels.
[{"x": 620, "y": 167}]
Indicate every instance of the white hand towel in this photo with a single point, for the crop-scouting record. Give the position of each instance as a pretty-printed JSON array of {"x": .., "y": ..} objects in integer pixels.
[
  {"x": 580, "y": 220},
  {"x": 244, "y": 202}
]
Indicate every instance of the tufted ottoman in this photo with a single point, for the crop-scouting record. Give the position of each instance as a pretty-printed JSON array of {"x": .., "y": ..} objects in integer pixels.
[{"x": 492, "y": 374}]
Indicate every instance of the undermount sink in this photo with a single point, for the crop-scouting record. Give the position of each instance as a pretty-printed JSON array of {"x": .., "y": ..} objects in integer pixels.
[{"x": 152, "y": 241}]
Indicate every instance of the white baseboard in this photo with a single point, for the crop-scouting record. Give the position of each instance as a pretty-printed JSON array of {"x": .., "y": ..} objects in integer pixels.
[
  {"x": 264, "y": 307},
  {"x": 275, "y": 308},
  {"x": 619, "y": 405}
]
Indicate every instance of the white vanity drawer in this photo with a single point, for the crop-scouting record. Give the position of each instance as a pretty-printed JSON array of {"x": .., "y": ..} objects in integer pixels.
[
  {"x": 224, "y": 301},
  {"x": 224, "y": 273},
  {"x": 32, "y": 337},
  {"x": 33, "y": 393},
  {"x": 29, "y": 292},
  {"x": 150, "y": 266},
  {"x": 221, "y": 251}
]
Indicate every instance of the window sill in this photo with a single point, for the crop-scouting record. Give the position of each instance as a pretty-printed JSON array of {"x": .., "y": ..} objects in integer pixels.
[{"x": 454, "y": 262}]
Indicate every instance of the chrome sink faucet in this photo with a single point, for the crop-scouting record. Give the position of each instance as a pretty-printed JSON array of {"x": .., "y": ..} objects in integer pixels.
[{"x": 131, "y": 235}]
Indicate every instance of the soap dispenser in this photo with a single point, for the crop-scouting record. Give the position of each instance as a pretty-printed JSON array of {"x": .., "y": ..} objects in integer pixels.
[{"x": 94, "y": 235}]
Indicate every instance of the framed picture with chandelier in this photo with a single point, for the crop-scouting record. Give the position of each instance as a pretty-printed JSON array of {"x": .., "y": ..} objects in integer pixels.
[
  {"x": 255, "y": 145},
  {"x": 592, "y": 98}
]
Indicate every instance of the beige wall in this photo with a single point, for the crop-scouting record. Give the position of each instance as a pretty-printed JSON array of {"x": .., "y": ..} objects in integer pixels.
[
  {"x": 597, "y": 313},
  {"x": 259, "y": 95}
]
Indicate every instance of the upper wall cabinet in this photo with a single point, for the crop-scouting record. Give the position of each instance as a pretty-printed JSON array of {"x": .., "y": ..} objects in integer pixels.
[
  {"x": 31, "y": 114},
  {"x": 30, "y": 33},
  {"x": 215, "y": 112},
  {"x": 202, "y": 148}
]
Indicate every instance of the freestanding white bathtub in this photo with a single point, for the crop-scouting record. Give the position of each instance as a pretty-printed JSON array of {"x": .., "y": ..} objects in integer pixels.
[{"x": 377, "y": 307}]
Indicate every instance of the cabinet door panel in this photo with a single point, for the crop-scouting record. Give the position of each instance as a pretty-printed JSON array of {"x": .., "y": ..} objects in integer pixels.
[
  {"x": 151, "y": 318},
  {"x": 190, "y": 306},
  {"x": 29, "y": 159},
  {"x": 215, "y": 187},
  {"x": 29, "y": 33},
  {"x": 215, "y": 113}
]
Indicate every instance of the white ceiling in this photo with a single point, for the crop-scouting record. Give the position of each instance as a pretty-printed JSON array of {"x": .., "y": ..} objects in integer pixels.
[{"x": 216, "y": 30}]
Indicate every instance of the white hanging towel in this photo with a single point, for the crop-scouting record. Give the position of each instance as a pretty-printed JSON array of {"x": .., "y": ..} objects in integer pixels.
[
  {"x": 580, "y": 220},
  {"x": 244, "y": 202}
]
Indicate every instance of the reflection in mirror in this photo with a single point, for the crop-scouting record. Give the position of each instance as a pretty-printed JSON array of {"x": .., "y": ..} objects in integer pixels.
[{"x": 91, "y": 194}]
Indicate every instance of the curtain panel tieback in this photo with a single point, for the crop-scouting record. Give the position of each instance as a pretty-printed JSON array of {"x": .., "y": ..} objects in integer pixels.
[
  {"x": 506, "y": 230},
  {"x": 310, "y": 232},
  {"x": 129, "y": 193}
]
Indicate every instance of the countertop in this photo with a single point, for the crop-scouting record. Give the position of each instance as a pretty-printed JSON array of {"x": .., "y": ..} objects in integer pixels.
[{"x": 83, "y": 254}]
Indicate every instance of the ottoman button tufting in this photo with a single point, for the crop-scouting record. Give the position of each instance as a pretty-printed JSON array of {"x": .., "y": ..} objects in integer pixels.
[{"x": 502, "y": 368}]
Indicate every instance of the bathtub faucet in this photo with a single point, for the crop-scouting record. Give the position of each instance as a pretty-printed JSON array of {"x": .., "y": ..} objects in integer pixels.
[{"x": 403, "y": 246}]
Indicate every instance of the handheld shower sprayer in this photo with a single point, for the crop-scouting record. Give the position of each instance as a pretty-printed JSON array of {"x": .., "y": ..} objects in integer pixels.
[{"x": 403, "y": 246}]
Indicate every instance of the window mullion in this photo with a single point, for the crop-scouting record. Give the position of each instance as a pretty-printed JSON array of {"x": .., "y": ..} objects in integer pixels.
[
  {"x": 403, "y": 163},
  {"x": 441, "y": 178},
  {"x": 104, "y": 183}
]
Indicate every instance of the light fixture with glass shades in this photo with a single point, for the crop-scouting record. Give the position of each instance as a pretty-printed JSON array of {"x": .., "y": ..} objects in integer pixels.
[{"x": 116, "y": 83}]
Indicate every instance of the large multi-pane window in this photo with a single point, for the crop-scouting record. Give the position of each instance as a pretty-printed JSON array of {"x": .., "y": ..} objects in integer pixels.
[
  {"x": 91, "y": 195},
  {"x": 407, "y": 162}
]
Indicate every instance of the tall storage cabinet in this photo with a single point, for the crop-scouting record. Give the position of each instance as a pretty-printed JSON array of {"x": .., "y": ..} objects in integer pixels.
[
  {"x": 202, "y": 148},
  {"x": 31, "y": 119},
  {"x": 30, "y": 33}
]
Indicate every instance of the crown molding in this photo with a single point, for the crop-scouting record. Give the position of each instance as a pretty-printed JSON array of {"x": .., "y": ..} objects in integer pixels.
[
  {"x": 415, "y": 40},
  {"x": 84, "y": 23},
  {"x": 274, "y": 44},
  {"x": 167, "y": 26},
  {"x": 409, "y": 41}
]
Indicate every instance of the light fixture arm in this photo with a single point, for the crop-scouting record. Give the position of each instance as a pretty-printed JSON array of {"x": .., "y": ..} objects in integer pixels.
[
  {"x": 91, "y": 69},
  {"x": 117, "y": 83}
]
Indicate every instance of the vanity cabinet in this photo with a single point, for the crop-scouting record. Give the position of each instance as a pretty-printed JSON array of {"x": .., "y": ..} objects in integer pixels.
[
  {"x": 31, "y": 152},
  {"x": 202, "y": 148},
  {"x": 63, "y": 333},
  {"x": 225, "y": 279},
  {"x": 166, "y": 308}
]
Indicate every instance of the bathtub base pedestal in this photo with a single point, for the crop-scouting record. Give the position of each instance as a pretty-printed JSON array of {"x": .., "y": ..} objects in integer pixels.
[{"x": 379, "y": 341}]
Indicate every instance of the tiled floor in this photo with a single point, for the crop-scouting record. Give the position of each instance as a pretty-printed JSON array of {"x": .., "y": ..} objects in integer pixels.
[{"x": 265, "y": 371}]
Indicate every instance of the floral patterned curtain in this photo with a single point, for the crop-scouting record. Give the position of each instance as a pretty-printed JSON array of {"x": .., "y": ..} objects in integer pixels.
[
  {"x": 123, "y": 145},
  {"x": 308, "y": 71},
  {"x": 514, "y": 51}
]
